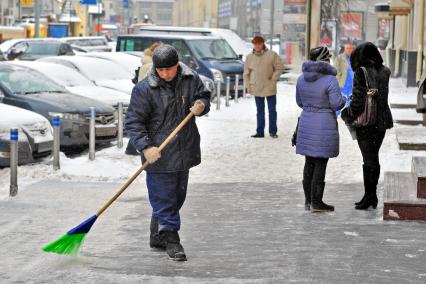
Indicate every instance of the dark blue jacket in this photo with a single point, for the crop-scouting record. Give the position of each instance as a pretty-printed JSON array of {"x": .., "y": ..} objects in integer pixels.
[
  {"x": 156, "y": 109},
  {"x": 318, "y": 93}
]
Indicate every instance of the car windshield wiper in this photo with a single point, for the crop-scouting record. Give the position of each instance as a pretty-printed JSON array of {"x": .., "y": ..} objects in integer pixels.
[
  {"x": 224, "y": 58},
  {"x": 208, "y": 57}
]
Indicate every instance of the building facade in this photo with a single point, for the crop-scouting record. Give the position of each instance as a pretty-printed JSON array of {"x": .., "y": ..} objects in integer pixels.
[
  {"x": 160, "y": 12},
  {"x": 195, "y": 13}
]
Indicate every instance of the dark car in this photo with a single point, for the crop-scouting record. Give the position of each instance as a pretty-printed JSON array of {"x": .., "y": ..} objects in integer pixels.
[
  {"x": 32, "y": 49},
  {"x": 26, "y": 88},
  {"x": 210, "y": 56}
]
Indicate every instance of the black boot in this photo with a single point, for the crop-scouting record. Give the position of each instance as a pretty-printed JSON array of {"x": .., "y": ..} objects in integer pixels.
[
  {"x": 365, "y": 175},
  {"x": 317, "y": 204},
  {"x": 370, "y": 183},
  {"x": 307, "y": 184},
  {"x": 155, "y": 241},
  {"x": 173, "y": 247}
]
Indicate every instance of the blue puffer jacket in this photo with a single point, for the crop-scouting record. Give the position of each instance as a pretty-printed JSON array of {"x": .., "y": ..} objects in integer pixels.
[
  {"x": 318, "y": 93},
  {"x": 154, "y": 112}
]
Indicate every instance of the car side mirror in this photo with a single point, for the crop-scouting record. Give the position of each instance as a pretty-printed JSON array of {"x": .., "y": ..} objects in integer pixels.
[
  {"x": 14, "y": 53},
  {"x": 240, "y": 56}
]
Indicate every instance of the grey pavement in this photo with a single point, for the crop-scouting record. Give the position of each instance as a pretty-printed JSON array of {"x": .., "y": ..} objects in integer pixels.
[{"x": 232, "y": 233}]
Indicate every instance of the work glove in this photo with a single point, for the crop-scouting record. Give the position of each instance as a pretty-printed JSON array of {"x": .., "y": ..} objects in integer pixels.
[
  {"x": 197, "y": 108},
  {"x": 152, "y": 154}
]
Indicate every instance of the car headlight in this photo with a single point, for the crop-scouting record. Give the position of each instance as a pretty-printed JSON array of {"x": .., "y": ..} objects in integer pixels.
[
  {"x": 40, "y": 128},
  {"x": 5, "y": 135},
  {"x": 217, "y": 75},
  {"x": 77, "y": 117}
]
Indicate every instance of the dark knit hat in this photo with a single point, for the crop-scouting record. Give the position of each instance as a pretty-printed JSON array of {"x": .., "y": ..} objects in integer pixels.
[
  {"x": 320, "y": 53},
  {"x": 165, "y": 56},
  {"x": 258, "y": 39}
]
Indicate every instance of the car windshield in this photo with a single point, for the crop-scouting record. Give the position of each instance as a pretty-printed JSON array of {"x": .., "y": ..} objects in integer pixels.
[
  {"x": 42, "y": 48},
  {"x": 212, "y": 49},
  {"x": 99, "y": 70},
  {"x": 25, "y": 81}
]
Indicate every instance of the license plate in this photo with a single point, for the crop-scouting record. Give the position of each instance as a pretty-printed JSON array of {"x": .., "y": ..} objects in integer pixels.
[
  {"x": 107, "y": 130},
  {"x": 44, "y": 147}
]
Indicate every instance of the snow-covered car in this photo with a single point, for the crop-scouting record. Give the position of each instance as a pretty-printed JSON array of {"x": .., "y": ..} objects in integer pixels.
[
  {"x": 101, "y": 72},
  {"x": 77, "y": 84},
  {"x": 26, "y": 88},
  {"x": 32, "y": 49},
  {"x": 35, "y": 135},
  {"x": 89, "y": 43},
  {"x": 127, "y": 61}
]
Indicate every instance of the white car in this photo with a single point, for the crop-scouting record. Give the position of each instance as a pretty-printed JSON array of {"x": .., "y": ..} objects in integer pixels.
[
  {"x": 76, "y": 83},
  {"x": 101, "y": 72},
  {"x": 127, "y": 61},
  {"x": 34, "y": 132}
]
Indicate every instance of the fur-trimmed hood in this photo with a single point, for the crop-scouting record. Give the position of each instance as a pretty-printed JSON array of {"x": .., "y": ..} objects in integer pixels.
[
  {"x": 154, "y": 81},
  {"x": 313, "y": 70},
  {"x": 366, "y": 55}
]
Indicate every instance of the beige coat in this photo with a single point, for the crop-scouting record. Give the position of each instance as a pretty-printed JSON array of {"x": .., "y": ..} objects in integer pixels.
[
  {"x": 146, "y": 67},
  {"x": 342, "y": 69},
  {"x": 262, "y": 70}
]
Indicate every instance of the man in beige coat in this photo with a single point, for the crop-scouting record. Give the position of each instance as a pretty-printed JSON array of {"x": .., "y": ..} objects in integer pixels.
[
  {"x": 262, "y": 70},
  {"x": 345, "y": 74}
]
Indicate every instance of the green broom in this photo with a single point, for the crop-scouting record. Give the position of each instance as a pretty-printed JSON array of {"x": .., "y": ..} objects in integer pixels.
[{"x": 71, "y": 242}]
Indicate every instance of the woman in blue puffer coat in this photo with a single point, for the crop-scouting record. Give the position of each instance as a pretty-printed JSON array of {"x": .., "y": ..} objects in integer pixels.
[{"x": 318, "y": 94}]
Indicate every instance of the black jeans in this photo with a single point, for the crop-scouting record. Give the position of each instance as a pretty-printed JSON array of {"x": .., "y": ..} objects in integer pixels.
[
  {"x": 315, "y": 169},
  {"x": 369, "y": 142}
]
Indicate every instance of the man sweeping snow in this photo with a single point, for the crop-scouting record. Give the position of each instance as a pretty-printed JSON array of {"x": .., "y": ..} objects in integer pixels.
[{"x": 158, "y": 104}]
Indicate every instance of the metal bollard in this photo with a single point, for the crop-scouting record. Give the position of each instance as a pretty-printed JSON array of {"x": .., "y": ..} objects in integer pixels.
[
  {"x": 228, "y": 90},
  {"x": 120, "y": 126},
  {"x": 13, "y": 161},
  {"x": 218, "y": 94},
  {"x": 56, "y": 123},
  {"x": 92, "y": 133},
  {"x": 237, "y": 79},
  {"x": 244, "y": 89}
]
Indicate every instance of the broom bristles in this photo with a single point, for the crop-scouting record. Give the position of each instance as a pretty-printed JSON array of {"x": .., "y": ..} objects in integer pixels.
[
  {"x": 67, "y": 244},
  {"x": 71, "y": 242}
]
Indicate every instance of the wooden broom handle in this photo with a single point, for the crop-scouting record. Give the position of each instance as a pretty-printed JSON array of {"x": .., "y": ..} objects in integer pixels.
[{"x": 145, "y": 165}]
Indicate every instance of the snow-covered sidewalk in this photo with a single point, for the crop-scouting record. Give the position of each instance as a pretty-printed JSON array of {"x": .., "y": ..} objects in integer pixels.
[{"x": 229, "y": 154}]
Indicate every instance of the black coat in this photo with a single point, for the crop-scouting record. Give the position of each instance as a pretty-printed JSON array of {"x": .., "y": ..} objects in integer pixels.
[
  {"x": 367, "y": 55},
  {"x": 156, "y": 109}
]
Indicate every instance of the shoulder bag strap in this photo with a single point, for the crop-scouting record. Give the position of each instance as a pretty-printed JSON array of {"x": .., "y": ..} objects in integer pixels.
[{"x": 366, "y": 77}]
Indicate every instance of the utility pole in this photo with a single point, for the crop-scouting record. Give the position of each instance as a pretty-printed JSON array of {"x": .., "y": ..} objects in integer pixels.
[
  {"x": 37, "y": 18},
  {"x": 98, "y": 31},
  {"x": 308, "y": 29},
  {"x": 272, "y": 24}
]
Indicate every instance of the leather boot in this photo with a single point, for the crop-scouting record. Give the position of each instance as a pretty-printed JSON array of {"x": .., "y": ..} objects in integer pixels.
[
  {"x": 155, "y": 240},
  {"x": 307, "y": 184},
  {"x": 317, "y": 204},
  {"x": 370, "y": 183},
  {"x": 173, "y": 247}
]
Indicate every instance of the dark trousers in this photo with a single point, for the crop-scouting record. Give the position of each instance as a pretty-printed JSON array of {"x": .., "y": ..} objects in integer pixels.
[
  {"x": 167, "y": 193},
  {"x": 369, "y": 142},
  {"x": 272, "y": 109},
  {"x": 314, "y": 170}
]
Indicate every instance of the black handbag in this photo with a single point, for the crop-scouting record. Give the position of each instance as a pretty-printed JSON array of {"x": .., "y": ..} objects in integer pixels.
[
  {"x": 294, "y": 138},
  {"x": 369, "y": 115}
]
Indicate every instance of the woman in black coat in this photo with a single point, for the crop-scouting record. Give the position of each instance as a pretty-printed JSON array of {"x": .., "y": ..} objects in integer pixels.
[{"x": 369, "y": 138}]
